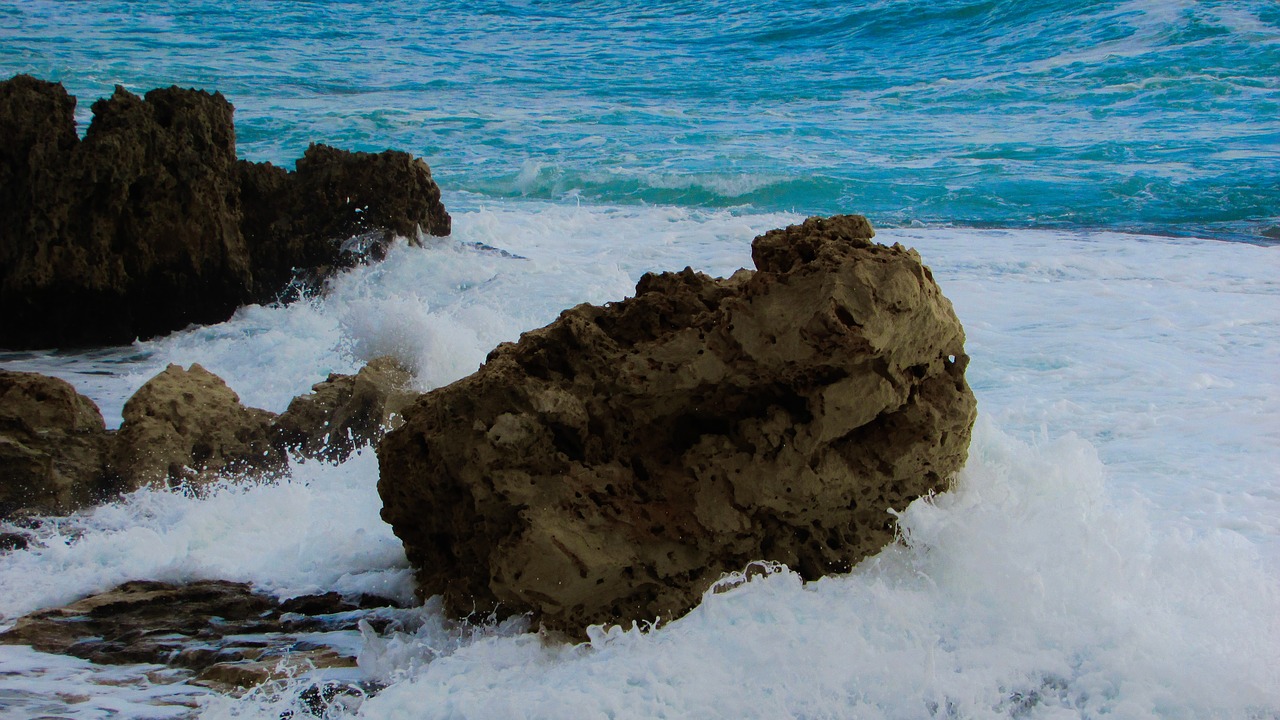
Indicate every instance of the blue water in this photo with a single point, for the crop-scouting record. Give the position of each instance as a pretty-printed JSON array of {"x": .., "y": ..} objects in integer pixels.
[{"x": 1151, "y": 115}]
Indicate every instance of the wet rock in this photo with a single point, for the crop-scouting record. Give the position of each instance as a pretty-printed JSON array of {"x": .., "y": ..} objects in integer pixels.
[
  {"x": 346, "y": 412},
  {"x": 363, "y": 199},
  {"x": 183, "y": 428},
  {"x": 186, "y": 427},
  {"x": 221, "y": 628},
  {"x": 53, "y": 446},
  {"x": 235, "y": 675},
  {"x": 150, "y": 223},
  {"x": 611, "y": 466}
]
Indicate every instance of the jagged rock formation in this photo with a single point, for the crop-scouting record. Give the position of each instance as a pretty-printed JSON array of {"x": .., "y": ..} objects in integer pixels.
[
  {"x": 611, "y": 466},
  {"x": 53, "y": 447},
  {"x": 346, "y": 412},
  {"x": 150, "y": 223},
  {"x": 292, "y": 219},
  {"x": 186, "y": 427}
]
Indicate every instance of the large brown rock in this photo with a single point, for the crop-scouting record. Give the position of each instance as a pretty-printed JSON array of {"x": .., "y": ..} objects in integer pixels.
[
  {"x": 611, "y": 466},
  {"x": 150, "y": 223},
  {"x": 346, "y": 412},
  {"x": 53, "y": 446},
  {"x": 187, "y": 428}
]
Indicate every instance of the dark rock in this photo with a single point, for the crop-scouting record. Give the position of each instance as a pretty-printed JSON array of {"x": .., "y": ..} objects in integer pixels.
[
  {"x": 186, "y": 427},
  {"x": 13, "y": 541},
  {"x": 611, "y": 466},
  {"x": 292, "y": 219},
  {"x": 150, "y": 223},
  {"x": 53, "y": 446},
  {"x": 224, "y": 631},
  {"x": 346, "y": 412}
]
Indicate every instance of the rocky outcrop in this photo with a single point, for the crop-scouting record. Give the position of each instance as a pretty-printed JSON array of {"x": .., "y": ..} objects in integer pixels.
[
  {"x": 346, "y": 412},
  {"x": 187, "y": 428},
  {"x": 150, "y": 223},
  {"x": 182, "y": 428},
  {"x": 53, "y": 447},
  {"x": 292, "y": 219},
  {"x": 611, "y": 466}
]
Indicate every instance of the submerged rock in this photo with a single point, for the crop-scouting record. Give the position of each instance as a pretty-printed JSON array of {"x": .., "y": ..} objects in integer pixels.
[
  {"x": 186, "y": 427},
  {"x": 611, "y": 466},
  {"x": 346, "y": 412},
  {"x": 220, "y": 634},
  {"x": 53, "y": 447},
  {"x": 150, "y": 223}
]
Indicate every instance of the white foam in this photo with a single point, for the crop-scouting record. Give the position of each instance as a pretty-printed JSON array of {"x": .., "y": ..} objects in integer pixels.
[
  {"x": 1028, "y": 591},
  {"x": 1112, "y": 548},
  {"x": 316, "y": 532}
]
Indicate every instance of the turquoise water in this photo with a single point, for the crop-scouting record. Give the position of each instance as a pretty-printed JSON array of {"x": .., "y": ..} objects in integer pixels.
[{"x": 1152, "y": 115}]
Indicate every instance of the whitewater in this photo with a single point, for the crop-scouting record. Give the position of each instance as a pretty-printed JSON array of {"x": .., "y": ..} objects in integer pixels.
[{"x": 1092, "y": 184}]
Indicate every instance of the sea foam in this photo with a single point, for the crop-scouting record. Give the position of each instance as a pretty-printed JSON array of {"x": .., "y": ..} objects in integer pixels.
[{"x": 1110, "y": 548}]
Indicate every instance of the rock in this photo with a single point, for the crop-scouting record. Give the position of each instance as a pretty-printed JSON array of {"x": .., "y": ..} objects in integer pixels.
[
  {"x": 292, "y": 219},
  {"x": 217, "y": 627},
  {"x": 183, "y": 428},
  {"x": 53, "y": 445},
  {"x": 150, "y": 223},
  {"x": 13, "y": 541},
  {"x": 237, "y": 675},
  {"x": 346, "y": 412},
  {"x": 186, "y": 427},
  {"x": 611, "y": 466}
]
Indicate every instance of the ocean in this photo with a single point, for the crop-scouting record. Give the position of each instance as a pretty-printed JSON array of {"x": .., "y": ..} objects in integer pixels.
[{"x": 1095, "y": 185}]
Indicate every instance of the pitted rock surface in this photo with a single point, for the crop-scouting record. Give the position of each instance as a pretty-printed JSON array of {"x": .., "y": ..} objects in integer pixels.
[
  {"x": 186, "y": 427},
  {"x": 612, "y": 465},
  {"x": 53, "y": 448}
]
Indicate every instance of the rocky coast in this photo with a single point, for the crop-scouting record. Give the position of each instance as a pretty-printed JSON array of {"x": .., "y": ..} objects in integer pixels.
[{"x": 609, "y": 468}]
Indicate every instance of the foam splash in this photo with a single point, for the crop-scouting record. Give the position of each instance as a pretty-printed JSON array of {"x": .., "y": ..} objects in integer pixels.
[
  {"x": 1026, "y": 591},
  {"x": 1129, "y": 570},
  {"x": 314, "y": 532}
]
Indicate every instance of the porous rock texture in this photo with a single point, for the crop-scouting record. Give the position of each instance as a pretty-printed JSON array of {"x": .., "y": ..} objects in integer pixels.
[
  {"x": 150, "y": 223},
  {"x": 187, "y": 428},
  {"x": 346, "y": 412},
  {"x": 53, "y": 446},
  {"x": 612, "y": 465}
]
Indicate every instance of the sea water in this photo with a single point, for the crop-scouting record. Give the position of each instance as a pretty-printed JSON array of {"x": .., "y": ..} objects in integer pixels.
[{"x": 1080, "y": 177}]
